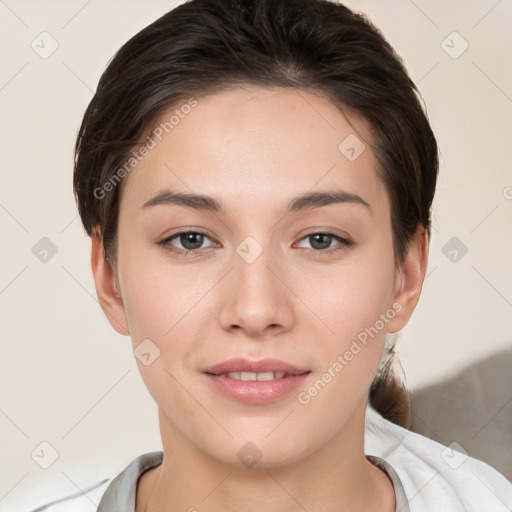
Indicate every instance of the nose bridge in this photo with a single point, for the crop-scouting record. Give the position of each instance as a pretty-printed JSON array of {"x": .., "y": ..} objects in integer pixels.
[
  {"x": 257, "y": 298},
  {"x": 252, "y": 263}
]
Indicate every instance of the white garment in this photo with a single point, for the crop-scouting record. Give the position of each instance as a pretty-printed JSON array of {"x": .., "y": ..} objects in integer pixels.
[{"x": 427, "y": 477}]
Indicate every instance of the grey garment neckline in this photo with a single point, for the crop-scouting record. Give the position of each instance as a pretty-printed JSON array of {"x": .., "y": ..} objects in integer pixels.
[{"x": 120, "y": 494}]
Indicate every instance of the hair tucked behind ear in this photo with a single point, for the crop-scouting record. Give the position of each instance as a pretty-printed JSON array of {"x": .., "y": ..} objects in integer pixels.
[{"x": 388, "y": 395}]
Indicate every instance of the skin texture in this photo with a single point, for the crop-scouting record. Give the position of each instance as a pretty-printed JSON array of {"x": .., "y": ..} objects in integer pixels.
[{"x": 255, "y": 149}]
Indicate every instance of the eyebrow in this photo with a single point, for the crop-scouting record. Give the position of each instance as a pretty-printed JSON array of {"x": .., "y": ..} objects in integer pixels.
[{"x": 306, "y": 201}]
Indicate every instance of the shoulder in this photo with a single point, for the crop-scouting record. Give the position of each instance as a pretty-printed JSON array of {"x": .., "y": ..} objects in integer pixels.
[
  {"x": 88, "y": 491},
  {"x": 435, "y": 476},
  {"x": 56, "y": 496}
]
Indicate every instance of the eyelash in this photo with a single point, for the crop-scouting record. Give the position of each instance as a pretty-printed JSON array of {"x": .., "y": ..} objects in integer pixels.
[{"x": 344, "y": 243}]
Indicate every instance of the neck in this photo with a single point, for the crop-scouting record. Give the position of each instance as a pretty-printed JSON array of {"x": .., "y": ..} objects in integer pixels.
[{"x": 336, "y": 476}]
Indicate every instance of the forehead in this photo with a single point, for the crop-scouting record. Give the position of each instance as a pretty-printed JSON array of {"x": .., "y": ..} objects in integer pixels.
[{"x": 256, "y": 144}]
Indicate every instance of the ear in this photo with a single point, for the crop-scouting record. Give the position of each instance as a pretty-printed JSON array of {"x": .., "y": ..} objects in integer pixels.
[
  {"x": 409, "y": 279},
  {"x": 105, "y": 281}
]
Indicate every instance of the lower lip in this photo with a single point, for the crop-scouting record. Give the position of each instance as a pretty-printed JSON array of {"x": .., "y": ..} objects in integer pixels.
[{"x": 256, "y": 391}]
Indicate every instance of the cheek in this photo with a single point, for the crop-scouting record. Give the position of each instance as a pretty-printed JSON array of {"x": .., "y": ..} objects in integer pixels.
[
  {"x": 353, "y": 303},
  {"x": 350, "y": 298},
  {"x": 169, "y": 306},
  {"x": 164, "y": 306},
  {"x": 160, "y": 296}
]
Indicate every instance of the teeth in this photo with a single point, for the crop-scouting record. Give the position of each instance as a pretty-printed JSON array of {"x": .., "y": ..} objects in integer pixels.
[{"x": 253, "y": 376}]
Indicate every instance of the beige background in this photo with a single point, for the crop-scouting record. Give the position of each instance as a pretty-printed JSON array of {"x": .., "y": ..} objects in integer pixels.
[{"x": 67, "y": 378}]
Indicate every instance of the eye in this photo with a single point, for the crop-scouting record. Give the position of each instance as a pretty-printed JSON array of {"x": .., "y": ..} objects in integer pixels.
[
  {"x": 190, "y": 241},
  {"x": 322, "y": 241}
]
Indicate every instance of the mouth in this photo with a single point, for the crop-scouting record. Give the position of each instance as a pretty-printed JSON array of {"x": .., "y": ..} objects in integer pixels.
[{"x": 256, "y": 382}]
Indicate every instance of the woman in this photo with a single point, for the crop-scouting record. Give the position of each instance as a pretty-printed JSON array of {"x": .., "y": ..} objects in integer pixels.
[{"x": 257, "y": 178}]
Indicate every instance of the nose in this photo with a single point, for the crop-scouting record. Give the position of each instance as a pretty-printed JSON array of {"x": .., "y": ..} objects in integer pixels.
[{"x": 257, "y": 297}]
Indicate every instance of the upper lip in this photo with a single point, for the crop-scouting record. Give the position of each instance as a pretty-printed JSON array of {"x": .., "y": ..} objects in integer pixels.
[{"x": 263, "y": 365}]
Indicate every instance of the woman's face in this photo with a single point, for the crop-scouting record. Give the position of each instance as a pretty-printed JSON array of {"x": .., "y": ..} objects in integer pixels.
[{"x": 255, "y": 283}]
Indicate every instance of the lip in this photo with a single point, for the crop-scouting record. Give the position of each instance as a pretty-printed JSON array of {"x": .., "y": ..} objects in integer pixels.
[
  {"x": 256, "y": 392},
  {"x": 264, "y": 365}
]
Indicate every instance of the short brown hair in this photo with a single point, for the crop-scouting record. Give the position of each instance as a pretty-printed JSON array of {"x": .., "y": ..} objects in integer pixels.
[{"x": 203, "y": 46}]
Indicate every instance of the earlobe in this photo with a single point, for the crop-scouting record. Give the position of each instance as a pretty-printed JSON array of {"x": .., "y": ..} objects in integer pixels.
[
  {"x": 107, "y": 290},
  {"x": 409, "y": 279}
]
